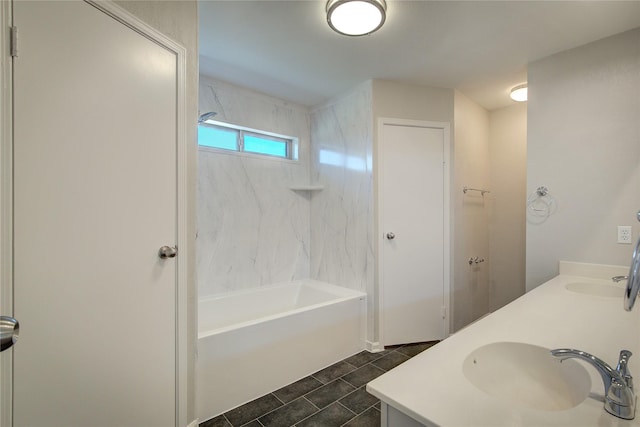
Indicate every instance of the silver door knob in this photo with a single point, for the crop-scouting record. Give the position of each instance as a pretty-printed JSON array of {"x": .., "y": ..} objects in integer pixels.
[
  {"x": 391, "y": 236},
  {"x": 167, "y": 252},
  {"x": 9, "y": 331}
]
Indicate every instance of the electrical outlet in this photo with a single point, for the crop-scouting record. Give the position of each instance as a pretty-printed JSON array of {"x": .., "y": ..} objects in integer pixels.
[{"x": 624, "y": 234}]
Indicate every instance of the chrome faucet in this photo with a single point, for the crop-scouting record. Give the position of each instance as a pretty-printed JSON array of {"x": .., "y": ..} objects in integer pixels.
[{"x": 620, "y": 399}]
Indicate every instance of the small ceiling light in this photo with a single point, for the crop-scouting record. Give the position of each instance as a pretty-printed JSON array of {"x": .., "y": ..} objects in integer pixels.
[
  {"x": 356, "y": 17},
  {"x": 519, "y": 93}
]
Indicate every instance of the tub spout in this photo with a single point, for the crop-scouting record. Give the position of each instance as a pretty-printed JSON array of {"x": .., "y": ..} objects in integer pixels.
[{"x": 620, "y": 399}]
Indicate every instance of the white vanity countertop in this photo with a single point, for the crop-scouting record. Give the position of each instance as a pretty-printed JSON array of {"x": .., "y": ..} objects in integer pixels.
[{"x": 432, "y": 389}]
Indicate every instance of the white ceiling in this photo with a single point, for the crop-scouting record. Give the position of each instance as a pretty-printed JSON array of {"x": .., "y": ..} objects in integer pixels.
[{"x": 286, "y": 49}]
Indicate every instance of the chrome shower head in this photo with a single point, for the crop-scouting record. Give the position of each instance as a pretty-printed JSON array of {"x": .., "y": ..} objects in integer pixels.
[{"x": 206, "y": 116}]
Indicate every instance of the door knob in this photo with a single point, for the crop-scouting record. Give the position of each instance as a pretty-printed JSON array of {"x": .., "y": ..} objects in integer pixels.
[
  {"x": 391, "y": 236},
  {"x": 167, "y": 252},
  {"x": 9, "y": 331}
]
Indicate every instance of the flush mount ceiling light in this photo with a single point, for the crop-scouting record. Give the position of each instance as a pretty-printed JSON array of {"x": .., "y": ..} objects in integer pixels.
[
  {"x": 356, "y": 17},
  {"x": 519, "y": 93}
]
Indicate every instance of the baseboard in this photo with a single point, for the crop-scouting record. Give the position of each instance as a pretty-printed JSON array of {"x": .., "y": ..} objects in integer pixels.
[
  {"x": 194, "y": 423},
  {"x": 374, "y": 347}
]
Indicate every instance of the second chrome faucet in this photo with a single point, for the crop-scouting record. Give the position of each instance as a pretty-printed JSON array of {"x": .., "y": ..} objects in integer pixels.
[{"x": 620, "y": 399}]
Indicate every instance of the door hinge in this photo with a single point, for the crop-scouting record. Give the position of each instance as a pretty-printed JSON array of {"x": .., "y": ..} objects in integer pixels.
[
  {"x": 444, "y": 312},
  {"x": 13, "y": 41}
]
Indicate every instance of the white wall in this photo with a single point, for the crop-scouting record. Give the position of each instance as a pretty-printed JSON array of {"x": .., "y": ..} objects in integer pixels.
[
  {"x": 507, "y": 222},
  {"x": 412, "y": 102},
  {"x": 470, "y": 293},
  {"x": 179, "y": 21},
  {"x": 584, "y": 145},
  {"x": 252, "y": 229}
]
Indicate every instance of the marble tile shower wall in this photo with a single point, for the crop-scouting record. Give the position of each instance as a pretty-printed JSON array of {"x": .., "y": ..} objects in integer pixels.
[
  {"x": 252, "y": 229},
  {"x": 342, "y": 214}
]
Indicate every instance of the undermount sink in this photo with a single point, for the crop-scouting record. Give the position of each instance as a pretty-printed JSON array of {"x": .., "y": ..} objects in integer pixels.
[
  {"x": 596, "y": 289},
  {"x": 527, "y": 375}
]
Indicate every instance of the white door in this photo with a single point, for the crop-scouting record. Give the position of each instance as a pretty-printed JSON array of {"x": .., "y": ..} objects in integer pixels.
[
  {"x": 94, "y": 200},
  {"x": 412, "y": 224}
]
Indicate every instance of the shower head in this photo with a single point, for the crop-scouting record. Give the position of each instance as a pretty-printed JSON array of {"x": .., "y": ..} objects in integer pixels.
[{"x": 206, "y": 116}]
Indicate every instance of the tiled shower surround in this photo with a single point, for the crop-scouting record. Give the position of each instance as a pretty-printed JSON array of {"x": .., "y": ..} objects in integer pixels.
[
  {"x": 253, "y": 230},
  {"x": 332, "y": 397},
  {"x": 342, "y": 249}
]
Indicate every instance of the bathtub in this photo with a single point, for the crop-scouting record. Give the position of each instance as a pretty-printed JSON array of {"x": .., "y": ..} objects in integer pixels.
[{"x": 256, "y": 341}]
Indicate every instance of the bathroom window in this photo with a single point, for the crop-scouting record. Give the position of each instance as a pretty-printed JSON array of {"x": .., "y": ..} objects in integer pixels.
[{"x": 223, "y": 136}]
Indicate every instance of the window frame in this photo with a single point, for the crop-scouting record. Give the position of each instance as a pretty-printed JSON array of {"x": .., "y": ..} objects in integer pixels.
[{"x": 291, "y": 142}]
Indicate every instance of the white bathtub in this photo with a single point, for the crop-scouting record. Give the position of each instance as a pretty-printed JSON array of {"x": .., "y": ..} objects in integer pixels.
[{"x": 253, "y": 342}]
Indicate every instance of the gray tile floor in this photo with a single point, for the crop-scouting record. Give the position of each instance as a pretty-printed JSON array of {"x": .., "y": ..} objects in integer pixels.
[{"x": 332, "y": 397}]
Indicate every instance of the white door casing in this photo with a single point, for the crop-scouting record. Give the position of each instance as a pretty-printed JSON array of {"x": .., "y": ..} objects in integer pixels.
[
  {"x": 99, "y": 185},
  {"x": 413, "y": 230}
]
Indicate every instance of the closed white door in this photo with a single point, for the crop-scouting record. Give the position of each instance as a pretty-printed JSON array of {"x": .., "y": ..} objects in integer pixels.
[
  {"x": 412, "y": 226},
  {"x": 94, "y": 200}
]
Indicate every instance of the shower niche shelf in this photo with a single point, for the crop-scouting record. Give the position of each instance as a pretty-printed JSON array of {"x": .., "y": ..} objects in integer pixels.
[{"x": 306, "y": 187}]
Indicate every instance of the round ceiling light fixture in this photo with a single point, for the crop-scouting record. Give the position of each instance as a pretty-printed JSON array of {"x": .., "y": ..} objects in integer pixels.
[
  {"x": 356, "y": 17},
  {"x": 519, "y": 93}
]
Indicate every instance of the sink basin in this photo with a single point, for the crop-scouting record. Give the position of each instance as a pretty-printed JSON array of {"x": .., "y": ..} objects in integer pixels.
[
  {"x": 597, "y": 289},
  {"x": 528, "y": 376}
]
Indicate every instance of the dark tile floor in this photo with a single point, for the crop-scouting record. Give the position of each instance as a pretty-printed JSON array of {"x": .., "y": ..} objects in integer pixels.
[{"x": 332, "y": 397}]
